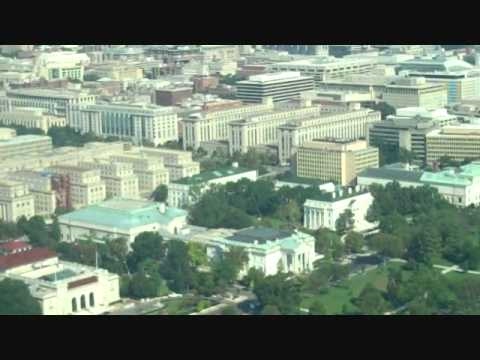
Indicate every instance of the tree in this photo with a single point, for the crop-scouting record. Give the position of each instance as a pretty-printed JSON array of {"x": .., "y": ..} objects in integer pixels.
[
  {"x": 280, "y": 291},
  {"x": 345, "y": 222},
  {"x": 197, "y": 253},
  {"x": 354, "y": 242},
  {"x": 15, "y": 299},
  {"x": 176, "y": 267},
  {"x": 289, "y": 212},
  {"x": 253, "y": 277},
  {"x": 142, "y": 287},
  {"x": 384, "y": 108},
  {"x": 425, "y": 245},
  {"x": 55, "y": 232},
  {"x": 271, "y": 310},
  {"x": 371, "y": 301},
  {"x": 406, "y": 156},
  {"x": 227, "y": 268},
  {"x": 388, "y": 245},
  {"x": 160, "y": 194},
  {"x": 147, "y": 245},
  {"x": 317, "y": 308}
]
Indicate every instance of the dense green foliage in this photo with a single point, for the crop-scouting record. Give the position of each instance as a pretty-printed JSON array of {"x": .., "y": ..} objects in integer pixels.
[
  {"x": 15, "y": 299},
  {"x": 280, "y": 292},
  {"x": 160, "y": 194}
]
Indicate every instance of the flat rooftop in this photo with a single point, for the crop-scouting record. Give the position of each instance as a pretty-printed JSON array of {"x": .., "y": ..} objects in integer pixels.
[
  {"x": 24, "y": 139},
  {"x": 259, "y": 234},
  {"x": 123, "y": 214},
  {"x": 211, "y": 175},
  {"x": 51, "y": 93},
  {"x": 325, "y": 62},
  {"x": 274, "y": 77}
]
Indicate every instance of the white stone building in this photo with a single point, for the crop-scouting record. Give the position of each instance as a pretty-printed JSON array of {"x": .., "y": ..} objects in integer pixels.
[
  {"x": 269, "y": 250},
  {"x": 61, "y": 288},
  {"x": 324, "y": 213},
  {"x": 121, "y": 218},
  {"x": 184, "y": 192}
]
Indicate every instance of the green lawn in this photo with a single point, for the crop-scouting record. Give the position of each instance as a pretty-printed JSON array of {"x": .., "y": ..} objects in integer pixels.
[{"x": 341, "y": 295}]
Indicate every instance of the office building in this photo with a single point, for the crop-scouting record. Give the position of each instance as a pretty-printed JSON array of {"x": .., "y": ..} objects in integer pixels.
[
  {"x": 7, "y": 133},
  {"x": 140, "y": 123},
  {"x": 269, "y": 250},
  {"x": 338, "y": 161},
  {"x": 31, "y": 118},
  {"x": 24, "y": 145},
  {"x": 325, "y": 211},
  {"x": 86, "y": 185},
  {"x": 326, "y": 68},
  {"x": 40, "y": 185},
  {"x": 150, "y": 171},
  {"x": 15, "y": 201},
  {"x": 184, "y": 192},
  {"x": 282, "y": 86},
  {"x": 408, "y": 129},
  {"x": 213, "y": 125},
  {"x": 172, "y": 97},
  {"x": 262, "y": 129},
  {"x": 343, "y": 125},
  {"x": 460, "y": 142},
  {"x": 318, "y": 50},
  {"x": 56, "y": 102},
  {"x": 123, "y": 53},
  {"x": 121, "y": 218},
  {"x": 67, "y": 155},
  {"x": 179, "y": 164},
  {"x": 61, "y": 65},
  {"x": 117, "y": 71},
  {"x": 60, "y": 287},
  {"x": 119, "y": 178},
  {"x": 415, "y": 92}
]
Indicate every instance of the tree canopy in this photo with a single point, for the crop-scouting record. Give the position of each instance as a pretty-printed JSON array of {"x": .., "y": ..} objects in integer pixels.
[{"x": 15, "y": 299}]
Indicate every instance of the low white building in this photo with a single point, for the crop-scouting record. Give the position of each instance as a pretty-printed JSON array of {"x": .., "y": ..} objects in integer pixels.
[
  {"x": 121, "y": 218},
  {"x": 268, "y": 250},
  {"x": 324, "y": 212},
  {"x": 184, "y": 192},
  {"x": 459, "y": 186},
  {"x": 61, "y": 288}
]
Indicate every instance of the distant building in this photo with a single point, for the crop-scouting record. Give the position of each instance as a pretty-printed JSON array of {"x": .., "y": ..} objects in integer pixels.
[
  {"x": 56, "y": 102},
  {"x": 41, "y": 187},
  {"x": 324, "y": 212},
  {"x": 172, "y": 97},
  {"x": 280, "y": 87},
  {"x": 184, "y": 192},
  {"x": 31, "y": 118},
  {"x": 318, "y": 50},
  {"x": 61, "y": 288},
  {"x": 15, "y": 201},
  {"x": 269, "y": 250},
  {"x": 121, "y": 218},
  {"x": 415, "y": 92},
  {"x": 460, "y": 142},
  {"x": 408, "y": 129},
  {"x": 139, "y": 122},
  {"x": 352, "y": 124},
  {"x": 208, "y": 125},
  {"x": 24, "y": 145},
  {"x": 335, "y": 160},
  {"x": 86, "y": 186},
  {"x": 326, "y": 68},
  {"x": 119, "y": 178},
  {"x": 61, "y": 65}
]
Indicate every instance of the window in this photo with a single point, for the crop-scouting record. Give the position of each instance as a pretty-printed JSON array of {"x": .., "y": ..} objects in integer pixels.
[
  {"x": 74, "y": 305},
  {"x": 92, "y": 300},
  {"x": 83, "y": 304}
]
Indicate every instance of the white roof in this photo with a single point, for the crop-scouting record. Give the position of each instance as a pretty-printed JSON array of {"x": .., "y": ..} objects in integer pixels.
[{"x": 274, "y": 77}]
